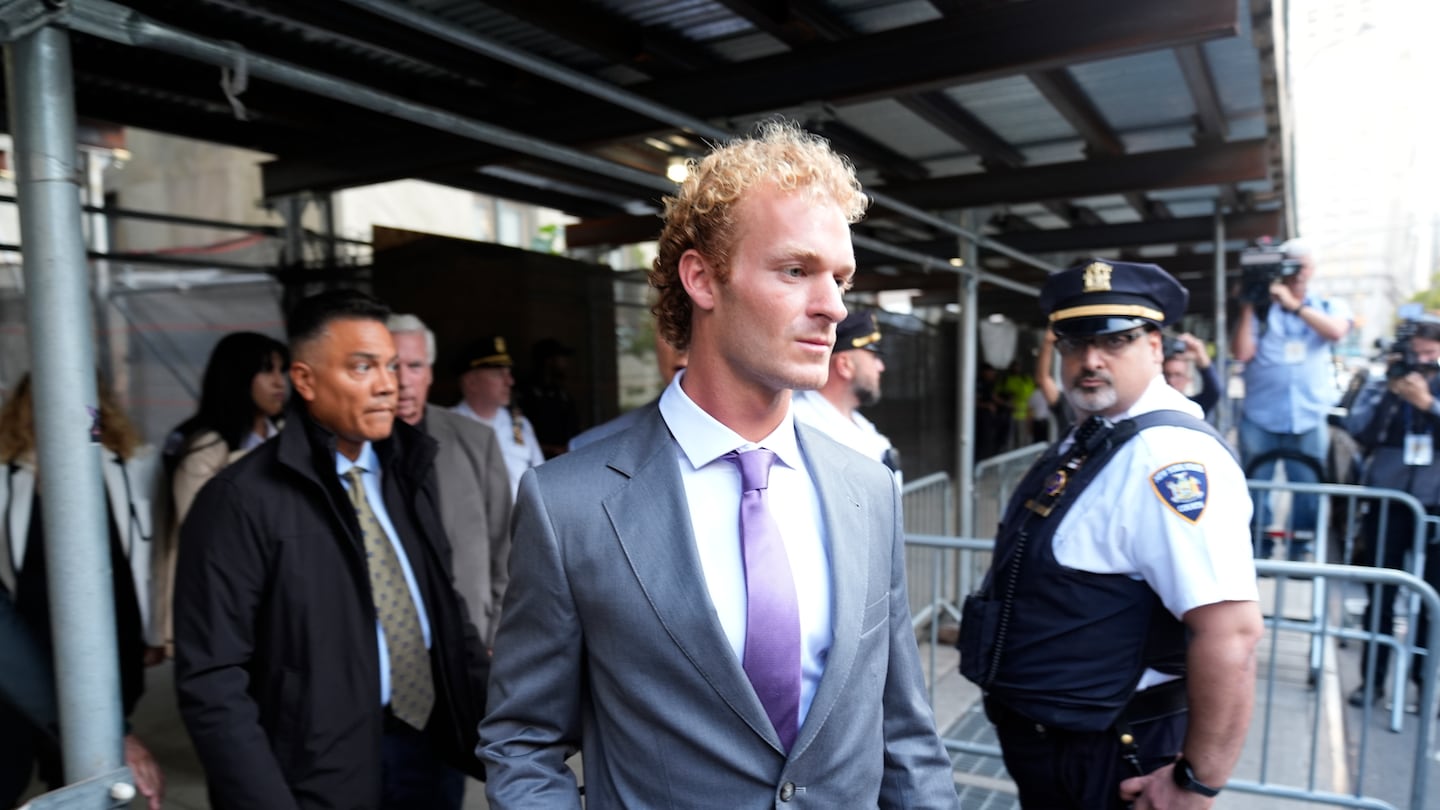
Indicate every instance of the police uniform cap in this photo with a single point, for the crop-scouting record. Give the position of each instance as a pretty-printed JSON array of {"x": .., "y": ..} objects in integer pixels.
[
  {"x": 859, "y": 330},
  {"x": 1099, "y": 297},
  {"x": 487, "y": 352}
]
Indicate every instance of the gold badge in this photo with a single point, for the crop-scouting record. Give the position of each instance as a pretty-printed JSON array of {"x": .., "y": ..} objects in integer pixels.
[
  {"x": 1097, "y": 277},
  {"x": 500, "y": 341}
]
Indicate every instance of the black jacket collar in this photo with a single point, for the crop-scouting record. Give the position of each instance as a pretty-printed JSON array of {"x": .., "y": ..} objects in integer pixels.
[{"x": 309, "y": 448}]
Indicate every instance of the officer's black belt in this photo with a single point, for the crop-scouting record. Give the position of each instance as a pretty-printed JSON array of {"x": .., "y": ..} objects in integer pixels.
[{"x": 1165, "y": 700}]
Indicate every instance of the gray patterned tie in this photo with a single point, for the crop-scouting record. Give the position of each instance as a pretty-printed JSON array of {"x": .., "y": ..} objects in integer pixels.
[{"x": 412, "y": 688}]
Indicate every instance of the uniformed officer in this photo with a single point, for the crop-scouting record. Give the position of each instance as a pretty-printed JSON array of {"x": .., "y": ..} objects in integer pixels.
[
  {"x": 486, "y": 386},
  {"x": 1122, "y": 589},
  {"x": 853, "y": 383}
]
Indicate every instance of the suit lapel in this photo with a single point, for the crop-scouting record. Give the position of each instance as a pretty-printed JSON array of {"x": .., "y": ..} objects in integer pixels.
[
  {"x": 846, "y": 524},
  {"x": 661, "y": 552}
]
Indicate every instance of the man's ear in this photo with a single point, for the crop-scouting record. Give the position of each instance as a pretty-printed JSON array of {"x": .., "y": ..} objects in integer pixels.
[
  {"x": 698, "y": 278},
  {"x": 302, "y": 377},
  {"x": 1157, "y": 346},
  {"x": 843, "y": 365}
]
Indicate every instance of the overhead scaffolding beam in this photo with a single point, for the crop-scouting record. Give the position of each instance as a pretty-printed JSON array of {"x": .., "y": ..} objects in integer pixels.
[
  {"x": 636, "y": 102},
  {"x": 116, "y": 23},
  {"x": 934, "y": 54},
  {"x": 1171, "y": 168},
  {"x": 971, "y": 49},
  {"x": 1158, "y": 232}
]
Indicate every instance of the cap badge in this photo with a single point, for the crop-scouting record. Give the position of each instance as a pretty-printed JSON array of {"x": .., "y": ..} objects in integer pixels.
[
  {"x": 1097, "y": 277},
  {"x": 500, "y": 341}
]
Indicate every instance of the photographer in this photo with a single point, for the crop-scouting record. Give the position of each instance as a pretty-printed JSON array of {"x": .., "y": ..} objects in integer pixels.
[
  {"x": 1284, "y": 337},
  {"x": 1181, "y": 355},
  {"x": 1396, "y": 421}
]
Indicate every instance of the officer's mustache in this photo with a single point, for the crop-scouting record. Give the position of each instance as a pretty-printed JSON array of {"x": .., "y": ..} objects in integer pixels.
[{"x": 1091, "y": 375}]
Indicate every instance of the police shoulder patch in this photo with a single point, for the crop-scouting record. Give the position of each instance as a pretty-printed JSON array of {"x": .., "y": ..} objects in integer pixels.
[{"x": 1183, "y": 487}]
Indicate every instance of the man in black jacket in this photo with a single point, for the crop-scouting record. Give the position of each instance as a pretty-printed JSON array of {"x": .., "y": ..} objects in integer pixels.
[{"x": 323, "y": 656}]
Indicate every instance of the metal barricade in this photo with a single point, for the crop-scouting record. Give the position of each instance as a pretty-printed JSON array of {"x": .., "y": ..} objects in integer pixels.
[
  {"x": 929, "y": 505},
  {"x": 1350, "y": 500},
  {"x": 1261, "y": 772},
  {"x": 995, "y": 478},
  {"x": 1327, "y": 628}
]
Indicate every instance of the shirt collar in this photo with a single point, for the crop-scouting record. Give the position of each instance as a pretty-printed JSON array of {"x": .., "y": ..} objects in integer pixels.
[
  {"x": 704, "y": 439},
  {"x": 1160, "y": 395},
  {"x": 367, "y": 461}
]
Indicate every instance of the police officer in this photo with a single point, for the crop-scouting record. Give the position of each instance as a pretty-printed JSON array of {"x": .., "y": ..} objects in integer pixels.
[
  {"x": 1122, "y": 589},
  {"x": 1396, "y": 420},
  {"x": 486, "y": 389},
  {"x": 854, "y": 383}
]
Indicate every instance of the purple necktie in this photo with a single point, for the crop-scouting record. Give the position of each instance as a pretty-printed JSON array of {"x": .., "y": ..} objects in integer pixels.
[{"x": 772, "y": 613}]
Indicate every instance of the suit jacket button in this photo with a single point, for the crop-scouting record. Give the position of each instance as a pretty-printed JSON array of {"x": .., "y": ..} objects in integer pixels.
[{"x": 787, "y": 791}]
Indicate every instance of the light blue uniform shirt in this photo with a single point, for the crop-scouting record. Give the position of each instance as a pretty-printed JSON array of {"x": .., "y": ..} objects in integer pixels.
[
  {"x": 369, "y": 465},
  {"x": 1290, "y": 382}
]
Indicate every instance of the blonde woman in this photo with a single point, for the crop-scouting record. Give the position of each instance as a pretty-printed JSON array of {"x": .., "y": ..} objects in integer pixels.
[{"x": 131, "y": 476}]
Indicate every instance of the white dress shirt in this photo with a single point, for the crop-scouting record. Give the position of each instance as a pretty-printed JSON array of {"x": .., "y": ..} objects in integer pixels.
[
  {"x": 712, "y": 491},
  {"x": 853, "y": 431}
]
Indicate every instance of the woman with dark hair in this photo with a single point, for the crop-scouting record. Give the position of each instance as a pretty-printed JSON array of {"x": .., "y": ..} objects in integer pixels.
[
  {"x": 130, "y": 476},
  {"x": 241, "y": 398}
]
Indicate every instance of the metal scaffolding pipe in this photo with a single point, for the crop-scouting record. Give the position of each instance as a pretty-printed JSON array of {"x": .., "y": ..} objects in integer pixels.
[
  {"x": 598, "y": 88},
  {"x": 1222, "y": 336},
  {"x": 62, "y": 360},
  {"x": 116, "y": 23},
  {"x": 926, "y": 260},
  {"x": 111, "y": 21},
  {"x": 969, "y": 338}
]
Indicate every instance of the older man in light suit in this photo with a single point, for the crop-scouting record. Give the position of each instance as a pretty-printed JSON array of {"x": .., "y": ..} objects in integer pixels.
[
  {"x": 474, "y": 484},
  {"x": 707, "y": 636}
]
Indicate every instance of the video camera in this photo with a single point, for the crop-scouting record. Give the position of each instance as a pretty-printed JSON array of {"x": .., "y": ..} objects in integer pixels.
[
  {"x": 1400, "y": 353},
  {"x": 1261, "y": 265}
]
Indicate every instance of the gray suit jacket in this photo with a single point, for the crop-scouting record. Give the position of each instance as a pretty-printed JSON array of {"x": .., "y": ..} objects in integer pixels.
[
  {"x": 475, "y": 511},
  {"x": 610, "y": 643}
]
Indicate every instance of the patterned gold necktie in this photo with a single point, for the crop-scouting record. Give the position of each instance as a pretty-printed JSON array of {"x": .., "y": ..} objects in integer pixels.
[{"x": 412, "y": 688}]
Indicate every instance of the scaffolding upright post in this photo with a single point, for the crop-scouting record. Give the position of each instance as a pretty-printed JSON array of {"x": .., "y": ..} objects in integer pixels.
[
  {"x": 1222, "y": 335},
  {"x": 62, "y": 360},
  {"x": 969, "y": 338}
]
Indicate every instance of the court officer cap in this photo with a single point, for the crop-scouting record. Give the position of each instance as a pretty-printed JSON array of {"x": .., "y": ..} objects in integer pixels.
[
  {"x": 859, "y": 330},
  {"x": 487, "y": 352},
  {"x": 1098, "y": 297}
]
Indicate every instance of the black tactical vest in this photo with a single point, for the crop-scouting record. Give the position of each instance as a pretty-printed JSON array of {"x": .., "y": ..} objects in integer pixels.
[{"x": 1064, "y": 647}]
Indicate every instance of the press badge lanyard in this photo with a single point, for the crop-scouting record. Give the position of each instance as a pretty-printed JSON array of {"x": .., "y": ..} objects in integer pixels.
[
  {"x": 1294, "y": 345},
  {"x": 1419, "y": 447}
]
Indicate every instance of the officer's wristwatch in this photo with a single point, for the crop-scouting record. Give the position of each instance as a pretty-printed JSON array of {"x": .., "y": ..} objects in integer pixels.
[{"x": 1185, "y": 779}]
